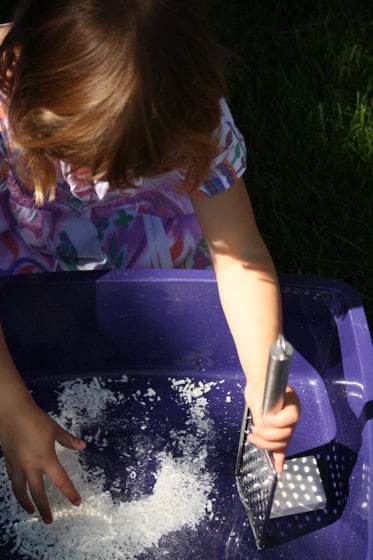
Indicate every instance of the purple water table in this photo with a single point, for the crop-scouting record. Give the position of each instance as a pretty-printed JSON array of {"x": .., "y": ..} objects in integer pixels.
[{"x": 153, "y": 325}]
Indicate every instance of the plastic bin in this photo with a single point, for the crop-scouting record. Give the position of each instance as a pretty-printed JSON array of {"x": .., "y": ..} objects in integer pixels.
[{"x": 159, "y": 328}]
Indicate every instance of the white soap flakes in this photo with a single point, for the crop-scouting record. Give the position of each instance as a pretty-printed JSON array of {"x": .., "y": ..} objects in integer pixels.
[{"x": 103, "y": 528}]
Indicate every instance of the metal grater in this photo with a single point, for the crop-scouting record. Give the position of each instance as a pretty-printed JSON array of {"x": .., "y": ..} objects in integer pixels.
[
  {"x": 256, "y": 481},
  {"x": 256, "y": 478}
]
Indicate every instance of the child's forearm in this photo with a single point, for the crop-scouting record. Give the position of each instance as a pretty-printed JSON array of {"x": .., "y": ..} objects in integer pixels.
[
  {"x": 13, "y": 390},
  {"x": 246, "y": 278},
  {"x": 250, "y": 297},
  {"x": 28, "y": 436}
]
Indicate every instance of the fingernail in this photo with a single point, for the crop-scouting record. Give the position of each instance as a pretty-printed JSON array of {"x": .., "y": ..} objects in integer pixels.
[
  {"x": 47, "y": 520},
  {"x": 77, "y": 502}
]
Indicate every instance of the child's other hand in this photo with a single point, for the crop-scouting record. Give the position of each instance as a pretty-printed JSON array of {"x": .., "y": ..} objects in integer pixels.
[
  {"x": 273, "y": 431},
  {"x": 28, "y": 442}
]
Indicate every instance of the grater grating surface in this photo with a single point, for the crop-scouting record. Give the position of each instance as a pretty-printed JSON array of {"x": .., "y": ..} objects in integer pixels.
[
  {"x": 256, "y": 481},
  {"x": 256, "y": 478}
]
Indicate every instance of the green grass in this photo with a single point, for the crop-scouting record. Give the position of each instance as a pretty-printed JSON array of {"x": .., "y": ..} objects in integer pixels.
[
  {"x": 301, "y": 82},
  {"x": 300, "y": 88}
]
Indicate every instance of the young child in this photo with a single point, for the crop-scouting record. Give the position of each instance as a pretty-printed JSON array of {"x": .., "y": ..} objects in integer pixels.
[{"x": 117, "y": 149}]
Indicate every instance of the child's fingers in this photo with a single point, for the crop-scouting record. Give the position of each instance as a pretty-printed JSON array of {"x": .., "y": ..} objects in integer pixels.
[
  {"x": 36, "y": 486},
  {"x": 292, "y": 402},
  {"x": 69, "y": 441},
  {"x": 273, "y": 440},
  {"x": 273, "y": 431},
  {"x": 37, "y": 491},
  {"x": 279, "y": 460},
  {"x": 19, "y": 487},
  {"x": 61, "y": 480},
  {"x": 288, "y": 416},
  {"x": 284, "y": 420}
]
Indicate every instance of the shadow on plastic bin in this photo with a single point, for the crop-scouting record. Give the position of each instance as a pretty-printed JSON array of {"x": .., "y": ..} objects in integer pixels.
[{"x": 336, "y": 462}]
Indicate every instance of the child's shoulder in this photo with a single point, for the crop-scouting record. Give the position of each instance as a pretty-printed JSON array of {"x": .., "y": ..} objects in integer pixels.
[{"x": 4, "y": 28}]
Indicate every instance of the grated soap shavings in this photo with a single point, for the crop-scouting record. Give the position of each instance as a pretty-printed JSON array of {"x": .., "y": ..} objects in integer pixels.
[{"x": 102, "y": 528}]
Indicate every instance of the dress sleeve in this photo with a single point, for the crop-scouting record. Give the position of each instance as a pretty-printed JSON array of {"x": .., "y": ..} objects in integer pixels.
[{"x": 230, "y": 164}]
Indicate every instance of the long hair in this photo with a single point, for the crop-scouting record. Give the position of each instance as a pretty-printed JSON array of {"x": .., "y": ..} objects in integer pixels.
[{"x": 127, "y": 88}]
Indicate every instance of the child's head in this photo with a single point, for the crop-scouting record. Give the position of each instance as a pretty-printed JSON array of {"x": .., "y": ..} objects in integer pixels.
[{"x": 125, "y": 87}]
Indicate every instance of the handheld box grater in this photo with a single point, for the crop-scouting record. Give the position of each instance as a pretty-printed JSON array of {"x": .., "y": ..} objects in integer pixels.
[
  {"x": 264, "y": 494},
  {"x": 256, "y": 478}
]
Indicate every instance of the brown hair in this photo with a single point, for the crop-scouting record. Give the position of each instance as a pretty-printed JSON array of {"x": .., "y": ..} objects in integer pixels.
[{"x": 124, "y": 87}]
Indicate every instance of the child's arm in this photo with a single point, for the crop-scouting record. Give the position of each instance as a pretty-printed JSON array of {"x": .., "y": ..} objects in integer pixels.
[
  {"x": 250, "y": 298},
  {"x": 28, "y": 437}
]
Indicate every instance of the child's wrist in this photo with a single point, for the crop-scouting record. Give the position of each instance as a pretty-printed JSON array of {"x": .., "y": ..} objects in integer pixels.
[{"x": 14, "y": 396}]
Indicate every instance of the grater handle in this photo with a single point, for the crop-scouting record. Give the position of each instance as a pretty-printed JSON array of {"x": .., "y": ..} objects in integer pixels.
[{"x": 280, "y": 355}]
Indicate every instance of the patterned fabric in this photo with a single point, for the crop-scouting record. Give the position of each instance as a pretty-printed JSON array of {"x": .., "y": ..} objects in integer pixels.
[{"x": 90, "y": 225}]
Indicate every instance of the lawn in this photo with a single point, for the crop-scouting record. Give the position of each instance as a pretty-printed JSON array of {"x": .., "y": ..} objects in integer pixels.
[
  {"x": 300, "y": 78},
  {"x": 301, "y": 81}
]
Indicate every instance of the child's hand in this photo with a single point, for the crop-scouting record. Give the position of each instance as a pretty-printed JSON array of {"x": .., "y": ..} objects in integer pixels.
[
  {"x": 28, "y": 442},
  {"x": 273, "y": 431}
]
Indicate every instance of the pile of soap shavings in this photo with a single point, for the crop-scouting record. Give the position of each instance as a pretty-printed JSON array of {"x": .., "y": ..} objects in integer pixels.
[{"x": 102, "y": 528}]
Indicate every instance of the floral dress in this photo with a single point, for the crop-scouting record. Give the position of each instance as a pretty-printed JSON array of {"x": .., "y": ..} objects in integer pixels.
[{"x": 90, "y": 225}]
